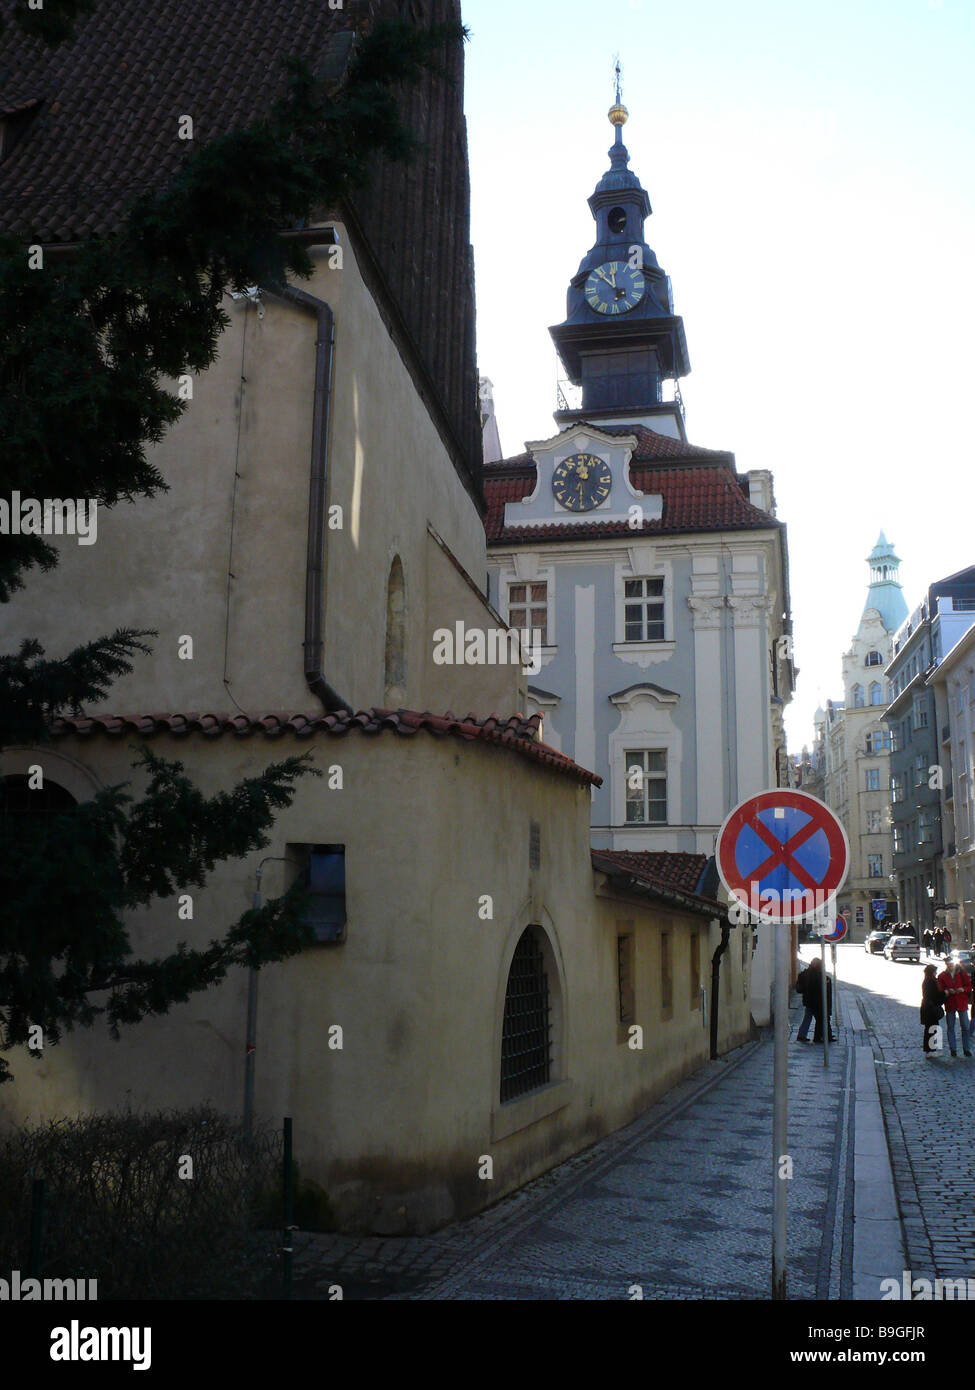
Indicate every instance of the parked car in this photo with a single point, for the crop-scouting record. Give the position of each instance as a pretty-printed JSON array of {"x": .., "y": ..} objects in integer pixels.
[
  {"x": 902, "y": 948},
  {"x": 876, "y": 941}
]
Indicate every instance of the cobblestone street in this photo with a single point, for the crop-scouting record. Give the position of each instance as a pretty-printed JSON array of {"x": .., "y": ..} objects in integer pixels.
[{"x": 929, "y": 1110}]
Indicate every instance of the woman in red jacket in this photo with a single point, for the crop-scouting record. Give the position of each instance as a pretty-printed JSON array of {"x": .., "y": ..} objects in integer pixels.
[{"x": 957, "y": 989}]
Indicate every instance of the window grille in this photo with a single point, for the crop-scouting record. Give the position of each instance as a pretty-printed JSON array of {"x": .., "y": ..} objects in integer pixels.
[
  {"x": 526, "y": 1034},
  {"x": 624, "y": 975}
]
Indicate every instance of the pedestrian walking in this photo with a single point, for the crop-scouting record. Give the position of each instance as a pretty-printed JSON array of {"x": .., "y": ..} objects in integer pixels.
[
  {"x": 932, "y": 1008},
  {"x": 809, "y": 987},
  {"x": 947, "y": 940},
  {"x": 957, "y": 989},
  {"x": 926, "y": 941},
  {"x": 939, "y": 942}
]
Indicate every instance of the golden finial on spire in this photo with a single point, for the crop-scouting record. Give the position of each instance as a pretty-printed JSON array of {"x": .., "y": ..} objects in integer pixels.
[{"x": 618, "y": 114}]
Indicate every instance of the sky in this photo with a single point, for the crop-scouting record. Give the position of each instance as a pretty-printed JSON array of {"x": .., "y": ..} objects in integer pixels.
[{"x": 810, "y": 169}]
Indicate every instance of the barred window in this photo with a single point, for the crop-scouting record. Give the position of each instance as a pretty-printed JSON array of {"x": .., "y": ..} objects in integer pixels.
[
  {"x": 624, "y": 977},
  {"x": 526, "y": 1033}
]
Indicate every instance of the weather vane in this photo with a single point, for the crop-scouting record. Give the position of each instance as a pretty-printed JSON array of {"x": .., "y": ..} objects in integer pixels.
[{"x": 619, "y": 81}]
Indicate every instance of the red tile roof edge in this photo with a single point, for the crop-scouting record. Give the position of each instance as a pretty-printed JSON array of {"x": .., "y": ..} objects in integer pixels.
[
  {"x": 518, "y": 732},
  {"x": 619, "y": 863}
]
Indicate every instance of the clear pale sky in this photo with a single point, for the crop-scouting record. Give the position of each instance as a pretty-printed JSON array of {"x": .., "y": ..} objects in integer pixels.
[{"x": 810, "y": 172}]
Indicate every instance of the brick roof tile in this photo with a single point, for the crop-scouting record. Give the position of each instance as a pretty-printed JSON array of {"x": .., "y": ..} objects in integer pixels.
[
  {"x": 701, "y": 492},
  {"x": 518, "y": 733},
  {"x": 670, "y": 872}
]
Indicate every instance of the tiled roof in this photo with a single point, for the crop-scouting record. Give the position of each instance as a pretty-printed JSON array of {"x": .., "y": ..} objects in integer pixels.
[
  {"x": 700, "y": 489},
  {"x": 518, "y": 733},
  {"x": 107, "y": 128},
  {"x": 672, "y": 874},
  {"x": 112, "y": 98}
]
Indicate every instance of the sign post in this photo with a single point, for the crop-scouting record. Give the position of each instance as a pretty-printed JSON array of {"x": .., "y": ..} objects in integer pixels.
[
  {"x": 837, "y": 934},
  {"x": 782, "y": 856}
]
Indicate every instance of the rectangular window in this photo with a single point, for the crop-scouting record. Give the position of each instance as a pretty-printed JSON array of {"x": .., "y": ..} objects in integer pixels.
[
  {"x": 920, "y": 770},
  {"x": 666, "y": 975},
  {"x": 646, "y": 787},
  {"x": 624, "y": 977},
  {"x": 872, "y": 775},
  {"x": 643, "y": 610},
  {"x": 528, "y": 610},
  {"x": 873, "y": 822},
  {"x": 695, "y": 970},
  {"x": 895, "y": 739},
  {"x": 899, "y": 842},
  {"x": 875, "y": 866},
  {"x": 878, "y": 741},
  {"x": 920, "y": 714},
  {"x": 321, "y": 872}
]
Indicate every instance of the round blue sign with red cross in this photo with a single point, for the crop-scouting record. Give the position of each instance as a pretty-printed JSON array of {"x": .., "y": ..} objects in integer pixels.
[
  {"x": 839, "y": 930},
  {"x": 783, "y": 855}
]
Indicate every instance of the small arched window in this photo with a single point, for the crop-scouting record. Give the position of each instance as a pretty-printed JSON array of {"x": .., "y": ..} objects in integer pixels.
[
  {"x": 876, "y": 693},
  {"x": 394, "y": 678},
  {"x": 858, "y": 697},
  {"x": 873, "y": 659},
  {"x": 526, "y": 1033}
]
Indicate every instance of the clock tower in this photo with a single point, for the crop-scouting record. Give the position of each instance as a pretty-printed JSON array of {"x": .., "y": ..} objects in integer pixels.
[{"x": 621, "y": 338}]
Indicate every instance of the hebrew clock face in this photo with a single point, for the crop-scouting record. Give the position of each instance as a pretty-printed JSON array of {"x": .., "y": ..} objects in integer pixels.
[
  {"x": 581, "y": 482},
  {"x": 614, "y": 288}
]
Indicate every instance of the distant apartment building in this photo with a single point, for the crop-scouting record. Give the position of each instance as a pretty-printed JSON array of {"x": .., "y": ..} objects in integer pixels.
[
  {"x": 952, "y": 684},
  {"x": 917, "y": 736}
]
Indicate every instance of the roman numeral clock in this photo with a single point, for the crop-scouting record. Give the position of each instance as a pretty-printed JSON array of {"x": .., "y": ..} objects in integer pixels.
[{"x": 581, "y": 482}]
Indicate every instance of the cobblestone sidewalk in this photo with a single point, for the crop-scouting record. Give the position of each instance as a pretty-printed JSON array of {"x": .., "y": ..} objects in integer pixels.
[{"x": 679, "y": 1203}]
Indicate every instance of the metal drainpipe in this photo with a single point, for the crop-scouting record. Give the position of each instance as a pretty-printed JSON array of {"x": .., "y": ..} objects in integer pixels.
[
  {"x": 715, "y": 982},
  {"x": 314, "y": 643}
]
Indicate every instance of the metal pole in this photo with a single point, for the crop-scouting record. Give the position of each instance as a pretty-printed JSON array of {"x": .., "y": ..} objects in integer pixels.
[
  {"x": 250, "y": 1046},
  {"x": 36, "y": 1228},
  {"x": 780, "y": 1107},
  {"x": 287, "y": 1249},
  {"x": 836, "y": 991},
  {"x": 825, "y": 1011}
]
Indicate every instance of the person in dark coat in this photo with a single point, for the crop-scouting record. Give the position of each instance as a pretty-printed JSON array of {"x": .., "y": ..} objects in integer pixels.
[
  {"x": 926, "y": 940},
  {"x": 939, "y": 942},
  {"x": 932, "y": 1010},
  {"x": 809, "y": 987}
]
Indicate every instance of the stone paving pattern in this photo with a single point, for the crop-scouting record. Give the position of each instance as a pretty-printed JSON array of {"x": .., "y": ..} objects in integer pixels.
[
  {"x": 679, "y": 1202},
  {"x": 929, "y": 1108}
]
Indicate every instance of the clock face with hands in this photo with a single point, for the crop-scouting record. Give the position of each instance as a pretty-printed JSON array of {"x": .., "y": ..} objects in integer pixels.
[
  {"x": 614, "y": 288},
  {"x": 581, "y": 482}
]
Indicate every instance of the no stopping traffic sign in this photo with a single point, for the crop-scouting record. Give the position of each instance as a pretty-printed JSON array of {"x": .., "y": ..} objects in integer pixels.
[{"x": 782, "y": 854}]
